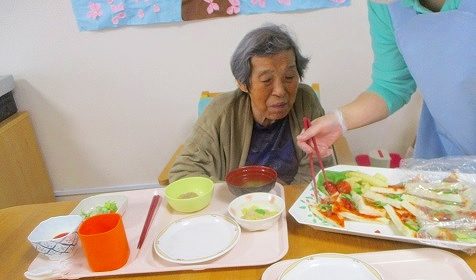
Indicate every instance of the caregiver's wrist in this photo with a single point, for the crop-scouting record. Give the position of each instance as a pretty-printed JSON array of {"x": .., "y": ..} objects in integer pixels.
[{"x": 340, "y": 119}]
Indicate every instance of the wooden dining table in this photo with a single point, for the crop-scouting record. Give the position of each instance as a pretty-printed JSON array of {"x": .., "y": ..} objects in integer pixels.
[{"x": 17, "y": 222}]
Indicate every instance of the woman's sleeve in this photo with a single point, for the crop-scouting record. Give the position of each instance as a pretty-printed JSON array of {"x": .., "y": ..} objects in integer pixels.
[
  {"x": 198, "y": 158},
  {"x": 391, "y": 78}
]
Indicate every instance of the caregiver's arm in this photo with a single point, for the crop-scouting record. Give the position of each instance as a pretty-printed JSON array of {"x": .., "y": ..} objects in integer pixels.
[
  {"x": 391, "y": 78},
  {"x": 392, "y": 84},
  {"x": 367, "y": 108},
  {"x": 391, "y": 88}
]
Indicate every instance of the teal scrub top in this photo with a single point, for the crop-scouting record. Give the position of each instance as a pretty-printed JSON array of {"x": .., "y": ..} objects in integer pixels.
[{"x": 391, "y": 78}]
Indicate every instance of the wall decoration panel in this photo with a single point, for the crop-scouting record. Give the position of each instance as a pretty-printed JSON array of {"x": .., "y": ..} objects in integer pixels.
[{"x": 102, "y": 14}]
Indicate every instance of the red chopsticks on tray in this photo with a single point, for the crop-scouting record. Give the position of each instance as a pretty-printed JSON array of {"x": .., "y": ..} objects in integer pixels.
[
  {"x": 313, "y": 144},
  {"x": 150, "y": 215}
]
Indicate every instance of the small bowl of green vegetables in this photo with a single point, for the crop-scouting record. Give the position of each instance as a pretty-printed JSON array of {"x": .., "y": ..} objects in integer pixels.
[
  {"x": 101, "y": 204},
  {"x": 256, "y": 211}
]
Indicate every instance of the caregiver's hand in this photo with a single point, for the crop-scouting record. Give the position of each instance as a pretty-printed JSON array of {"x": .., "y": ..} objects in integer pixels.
[{"x": 326, "y": 129}]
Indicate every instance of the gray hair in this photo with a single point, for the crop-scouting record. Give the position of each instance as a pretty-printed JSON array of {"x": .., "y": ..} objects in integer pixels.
[{"x": 263, "y": 41}]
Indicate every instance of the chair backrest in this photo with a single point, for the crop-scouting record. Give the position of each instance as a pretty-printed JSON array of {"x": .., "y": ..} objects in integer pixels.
[{"x": 206, "y": 97}]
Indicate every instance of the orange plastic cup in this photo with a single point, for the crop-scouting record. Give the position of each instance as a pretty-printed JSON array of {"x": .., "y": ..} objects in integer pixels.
[{"x": 104, "y": 242}]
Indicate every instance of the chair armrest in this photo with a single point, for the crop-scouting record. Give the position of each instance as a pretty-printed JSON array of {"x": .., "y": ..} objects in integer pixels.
[
  {"x": 164, "y": 174},
  {"x": 342, "y": 152}
]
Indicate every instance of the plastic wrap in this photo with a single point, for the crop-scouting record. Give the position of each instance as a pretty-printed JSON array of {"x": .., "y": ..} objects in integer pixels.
[
  {"x": 463, "y": 164},
  {"x": 442, "y": 197}
]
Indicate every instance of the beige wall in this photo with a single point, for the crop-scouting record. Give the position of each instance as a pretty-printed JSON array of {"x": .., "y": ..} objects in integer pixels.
[{"x": 110, "y": 107}]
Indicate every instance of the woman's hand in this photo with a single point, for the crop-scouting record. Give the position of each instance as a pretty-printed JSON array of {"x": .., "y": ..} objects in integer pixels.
[{"x": 326, "y": 130}]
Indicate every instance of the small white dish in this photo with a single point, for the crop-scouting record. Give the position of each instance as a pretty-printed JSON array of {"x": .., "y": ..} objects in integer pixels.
[
  {"x": 329, "y": 266},
  {"x": 261, "y": 202},
  {"x": 197, "y": 239},
  {"x": 89, "y": 204},
  {"x": 56, "y": 238}
]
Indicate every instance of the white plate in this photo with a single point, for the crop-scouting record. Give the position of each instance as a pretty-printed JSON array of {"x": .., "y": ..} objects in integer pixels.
[
  {"x": 91, "y": 202},
  {"x": 300, "y": 210},
  {"x": 197, "y": 239},
  {"x": 330, "y": 267},
  {"x": 408, "y": 264}
]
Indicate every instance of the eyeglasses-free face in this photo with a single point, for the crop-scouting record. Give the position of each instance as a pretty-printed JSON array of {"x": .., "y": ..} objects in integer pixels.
[{"x": 273, "y": 87}]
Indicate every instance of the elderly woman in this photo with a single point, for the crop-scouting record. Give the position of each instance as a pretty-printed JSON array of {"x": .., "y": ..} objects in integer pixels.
[{"x": 256, "y": 124}]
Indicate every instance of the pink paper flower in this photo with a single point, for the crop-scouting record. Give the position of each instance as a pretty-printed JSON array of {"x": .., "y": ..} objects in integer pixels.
[
  {"x": 119, "y": 16},
  {"x": 212, "y": 6},
  {"x": 234, "y": 7},
  {"x": 117, "y": 8},
  {"x": 156, "y": 8},
  {"x": 286, "y": 2},
  {"x": 140, "y": 13},
  {"x": 261, "y": 3},
  {"x": 94, "y": 10}
]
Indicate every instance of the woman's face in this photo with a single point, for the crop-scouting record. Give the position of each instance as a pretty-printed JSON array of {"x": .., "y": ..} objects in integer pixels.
[{"x": 274, "y": 84}]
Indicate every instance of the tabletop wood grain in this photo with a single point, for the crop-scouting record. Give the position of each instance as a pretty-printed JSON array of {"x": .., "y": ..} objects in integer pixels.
[{"x": 16, "y": 253}]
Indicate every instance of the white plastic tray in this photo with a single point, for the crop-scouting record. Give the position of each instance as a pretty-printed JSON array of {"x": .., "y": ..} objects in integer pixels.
[
  {"x": 412, "y": 264},
  {"x": 252, "y": 249},
  {"x": 300, "y": 211}
]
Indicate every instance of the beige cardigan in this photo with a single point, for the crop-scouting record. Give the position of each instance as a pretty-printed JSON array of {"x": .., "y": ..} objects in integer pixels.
[{"x": 221, "y": 137}]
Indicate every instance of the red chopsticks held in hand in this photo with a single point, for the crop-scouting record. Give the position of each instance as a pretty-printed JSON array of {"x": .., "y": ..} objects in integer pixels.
[
  {"x": 150, "y": 215},
  {"x": 313, "y": 144}
]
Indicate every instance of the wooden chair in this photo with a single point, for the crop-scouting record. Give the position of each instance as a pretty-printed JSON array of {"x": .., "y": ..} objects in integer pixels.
[{"x": 342, "y": 152}]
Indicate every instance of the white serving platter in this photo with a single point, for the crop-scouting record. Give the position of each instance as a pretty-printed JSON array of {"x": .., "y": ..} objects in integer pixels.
[
  {"x": 197, "y": 239},
  {"x": 300, "y": 210}
]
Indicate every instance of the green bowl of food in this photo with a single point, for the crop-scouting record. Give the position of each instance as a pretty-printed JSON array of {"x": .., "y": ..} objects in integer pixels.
[
  {"x": 189, "y": 194},
  {"x": 256, "y": 211}
]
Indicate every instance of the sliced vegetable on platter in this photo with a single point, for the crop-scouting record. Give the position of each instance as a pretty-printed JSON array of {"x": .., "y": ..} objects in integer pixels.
[{"x": 416, "y": 208}]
